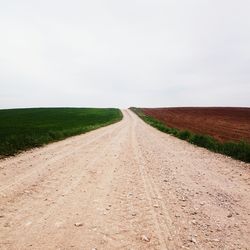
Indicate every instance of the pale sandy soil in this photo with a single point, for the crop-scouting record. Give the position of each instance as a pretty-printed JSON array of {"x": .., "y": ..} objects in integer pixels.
[{"x": 125, "y": 186}]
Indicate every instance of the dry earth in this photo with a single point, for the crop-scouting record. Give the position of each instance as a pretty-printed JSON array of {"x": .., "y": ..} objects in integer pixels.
[
  {"x": 224, "y": 124},
  {"x": 125, "y": 186}
]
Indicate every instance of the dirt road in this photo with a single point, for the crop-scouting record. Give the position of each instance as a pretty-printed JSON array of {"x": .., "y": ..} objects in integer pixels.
[{"x": 125, "y": 186}]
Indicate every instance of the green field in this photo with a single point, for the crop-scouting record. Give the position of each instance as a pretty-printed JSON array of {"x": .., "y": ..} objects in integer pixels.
[{"x": 22, "y": 129}]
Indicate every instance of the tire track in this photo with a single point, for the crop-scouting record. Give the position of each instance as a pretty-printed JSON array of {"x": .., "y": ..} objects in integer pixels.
[{"x": 162, "y": 229}]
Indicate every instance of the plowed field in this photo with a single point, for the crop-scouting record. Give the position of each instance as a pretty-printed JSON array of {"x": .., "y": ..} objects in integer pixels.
[{"x": 224, "y": 124}]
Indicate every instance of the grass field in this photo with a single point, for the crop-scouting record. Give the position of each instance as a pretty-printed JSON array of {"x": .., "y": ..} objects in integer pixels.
[
  {"x": 22, "y": 129},
  {"x": 235, "y": 149}
]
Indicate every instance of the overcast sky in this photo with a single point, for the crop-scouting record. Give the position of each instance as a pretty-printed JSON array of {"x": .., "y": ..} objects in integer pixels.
[{"x": 124, "y": 53}]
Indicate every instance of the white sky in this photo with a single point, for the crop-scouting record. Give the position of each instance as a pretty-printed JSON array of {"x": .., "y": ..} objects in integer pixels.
[{"x": 124, "y": 53}]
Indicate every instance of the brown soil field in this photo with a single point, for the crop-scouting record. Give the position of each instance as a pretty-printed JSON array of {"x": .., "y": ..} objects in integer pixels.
[{"x": 224, "y": 124}]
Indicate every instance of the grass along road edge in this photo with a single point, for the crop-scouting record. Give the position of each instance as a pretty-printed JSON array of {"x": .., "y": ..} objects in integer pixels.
[{"x": 23, "y": 129}]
